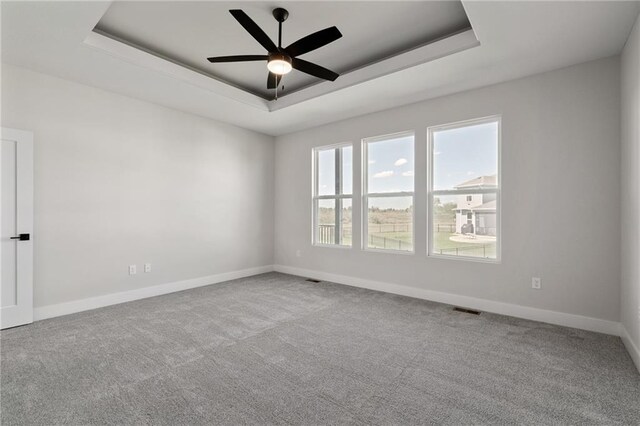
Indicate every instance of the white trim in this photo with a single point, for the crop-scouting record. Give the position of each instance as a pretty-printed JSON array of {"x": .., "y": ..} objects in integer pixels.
[
  {"x": 50, "y": 311},
  {"x": 633, "y": 350},
  {"x": 315, "y": 198},
  {"x": 518, "y": 311},
  {"x": 431, "y": 193},
  {"x": 137, "y": 55},
  {"x": 366, "y": 195},
  {"x": 22, "y": 312},
  {"x": 448, "y": 45}
]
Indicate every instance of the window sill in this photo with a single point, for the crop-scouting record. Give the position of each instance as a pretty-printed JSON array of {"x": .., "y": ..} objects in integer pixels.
[{"x": 465, "y": 258}]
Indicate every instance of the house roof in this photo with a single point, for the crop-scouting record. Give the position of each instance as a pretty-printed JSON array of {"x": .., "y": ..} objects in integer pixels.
[
  {"x": 486, "y": 207},
  {"x": 480, "y": 182}
]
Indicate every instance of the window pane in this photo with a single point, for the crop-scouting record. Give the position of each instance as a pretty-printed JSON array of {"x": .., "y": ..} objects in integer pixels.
[
  {"x": 326, "y": 215},
  {"x": 465, "y": 225},
  {"x": 390, "y": 165},
  {"x": 346, "y": 231},
  {"x": 390, "y": 223},
  {"x": 466, "y": 157},
  {"x": 327, "y": 172},
  {"x": 347, "y": 170}
]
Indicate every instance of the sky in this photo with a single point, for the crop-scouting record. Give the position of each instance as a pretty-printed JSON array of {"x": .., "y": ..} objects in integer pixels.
[
  {"x": 459, "y": 155},
  {"x": 464, "y": 153}
]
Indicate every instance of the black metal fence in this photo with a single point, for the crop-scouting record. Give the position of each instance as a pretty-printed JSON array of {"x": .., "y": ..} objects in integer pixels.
[
  {"x": 376, "y": 241},
  {"x": 381, "y": 228},
  {"x": 445, "y": 227},
  {"x": 477, "y": 251},
  {"x": 327, "y": 235}
]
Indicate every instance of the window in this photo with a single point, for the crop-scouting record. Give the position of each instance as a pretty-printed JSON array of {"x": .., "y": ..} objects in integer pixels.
[
  {"x": 332, "y": 197},
  {"x": 388, "y": 192},
  {"x": 464, "y": 192}
]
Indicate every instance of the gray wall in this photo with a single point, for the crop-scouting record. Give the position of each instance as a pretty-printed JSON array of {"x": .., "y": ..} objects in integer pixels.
[
  {"x": 630, "y": 192},
  {"x": 560, "y": 199},
  {"x": 120, "y": 181}
]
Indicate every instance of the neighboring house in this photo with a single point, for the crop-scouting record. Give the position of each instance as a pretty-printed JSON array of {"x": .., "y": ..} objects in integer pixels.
[{"x": 478, "y": 210}]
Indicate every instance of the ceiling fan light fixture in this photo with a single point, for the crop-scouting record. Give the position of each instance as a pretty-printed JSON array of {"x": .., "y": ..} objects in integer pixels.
[{"x": 279, "y": 64}]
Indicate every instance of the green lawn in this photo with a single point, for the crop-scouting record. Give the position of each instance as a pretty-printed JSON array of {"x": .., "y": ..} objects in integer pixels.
[
  {"x": 391, "y": 240},
  {"x": 442, "y": 242}
]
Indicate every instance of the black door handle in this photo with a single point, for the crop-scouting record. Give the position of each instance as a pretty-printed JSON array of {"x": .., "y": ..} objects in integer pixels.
[{"x": 21, "y": 237}]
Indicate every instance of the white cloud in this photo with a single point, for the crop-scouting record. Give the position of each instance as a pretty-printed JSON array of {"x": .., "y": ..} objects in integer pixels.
[
  {"x": 408, "y": 174},
  {"x": 437, "y": 153},
  {"x": 469, "y": 173},
  {"x": 400, "y": 162},
  {"x": 372, "y": 161},
  {"x": 385, "y": 174}
]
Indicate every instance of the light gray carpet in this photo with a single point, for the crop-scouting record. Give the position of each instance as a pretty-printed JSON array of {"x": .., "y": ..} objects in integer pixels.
[{"x": 274, "y": 349}]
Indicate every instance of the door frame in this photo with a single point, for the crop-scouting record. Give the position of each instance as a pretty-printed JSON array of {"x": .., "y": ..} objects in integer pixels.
[{"x": 22, "y": 312}]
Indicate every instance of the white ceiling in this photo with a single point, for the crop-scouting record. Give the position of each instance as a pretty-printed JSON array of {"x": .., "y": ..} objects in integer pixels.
[
  {"x": 516, "y": 39},
  {"x": 189, "y": 32}
]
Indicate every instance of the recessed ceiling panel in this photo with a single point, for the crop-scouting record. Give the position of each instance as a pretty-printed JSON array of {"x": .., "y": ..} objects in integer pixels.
[{"x": 189, "y": 32}]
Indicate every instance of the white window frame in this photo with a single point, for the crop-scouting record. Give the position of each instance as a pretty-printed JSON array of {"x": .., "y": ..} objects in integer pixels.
[
  {"x": 337, "y": 197},
  {"x": 431, "y": 193},
  {"x": 366, "y": 195}
]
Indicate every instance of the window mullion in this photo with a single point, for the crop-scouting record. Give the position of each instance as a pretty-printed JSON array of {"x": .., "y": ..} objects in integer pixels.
[{"x": 338, "y": 189}]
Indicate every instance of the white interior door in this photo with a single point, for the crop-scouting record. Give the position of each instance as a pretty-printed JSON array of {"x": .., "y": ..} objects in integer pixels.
[{"x": 16, "y": 228}]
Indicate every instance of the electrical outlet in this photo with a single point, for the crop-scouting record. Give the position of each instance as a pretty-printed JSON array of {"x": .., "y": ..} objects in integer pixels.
[
  {"x": 535, "y": 283},
  {"x": 147, "y": 267},
  {"x": 298, "y": 253},
  {"x": 132, "y": 269}
]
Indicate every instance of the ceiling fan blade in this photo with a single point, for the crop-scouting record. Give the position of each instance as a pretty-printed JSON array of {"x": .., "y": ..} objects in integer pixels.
[
  {"x": 253, "y": 29},
  {"x": 313, "y": 69},
  {"x": 238, "y": 58},
  {"x": 273, "y": 80},
  {"x": 313, "y": 41}
]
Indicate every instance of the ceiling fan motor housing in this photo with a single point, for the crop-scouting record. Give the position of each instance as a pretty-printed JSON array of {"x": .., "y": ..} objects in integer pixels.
[
  {"x": 277, "y": 56},
  {"x": 280, "y": 14}
]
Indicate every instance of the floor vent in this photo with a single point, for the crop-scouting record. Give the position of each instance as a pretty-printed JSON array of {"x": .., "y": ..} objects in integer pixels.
[
  {"x": 311, "y": 280},
  {"x": 466, "y": 311}
]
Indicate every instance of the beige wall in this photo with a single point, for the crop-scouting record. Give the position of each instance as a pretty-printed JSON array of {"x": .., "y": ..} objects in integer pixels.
[
  {"x": 120, "y": 181},
  {"x": 560, "y": 194},
  {"x": 630, "y": 191}
]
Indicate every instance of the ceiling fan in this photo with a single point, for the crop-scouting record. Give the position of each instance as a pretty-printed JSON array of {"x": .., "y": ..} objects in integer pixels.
[{"x": 281, "y": 60}]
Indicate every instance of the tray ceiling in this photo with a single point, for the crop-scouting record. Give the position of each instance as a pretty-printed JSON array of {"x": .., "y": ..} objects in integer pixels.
[
  {"x": 186, "y": 33},
  {"x": 509, "y": 40}
]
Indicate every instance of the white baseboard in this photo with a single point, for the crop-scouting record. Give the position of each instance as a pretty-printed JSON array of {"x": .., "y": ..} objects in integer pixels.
[
  {"x": 633, "y": 350},
  {"x": 518, "y": 311},
  {"x": 66, "y": 308}
]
